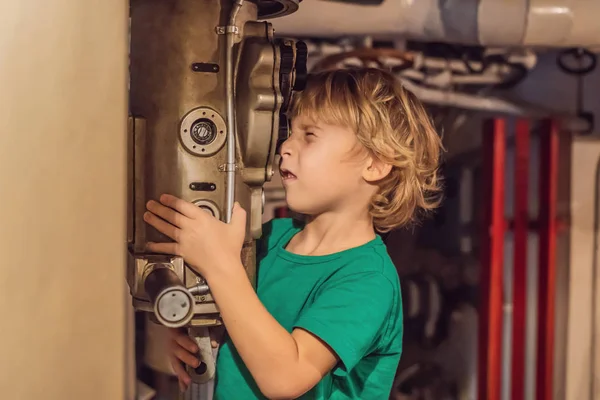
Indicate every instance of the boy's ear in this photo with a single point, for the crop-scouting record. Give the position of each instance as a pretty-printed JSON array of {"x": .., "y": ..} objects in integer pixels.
[{"x": 375, "y": 170}]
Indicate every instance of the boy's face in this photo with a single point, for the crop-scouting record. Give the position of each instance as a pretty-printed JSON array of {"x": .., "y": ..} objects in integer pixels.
[{"x": 322, "y": 167}]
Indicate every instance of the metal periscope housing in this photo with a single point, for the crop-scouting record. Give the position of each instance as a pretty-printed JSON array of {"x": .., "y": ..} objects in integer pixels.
[{"x": 209, "y": 90}]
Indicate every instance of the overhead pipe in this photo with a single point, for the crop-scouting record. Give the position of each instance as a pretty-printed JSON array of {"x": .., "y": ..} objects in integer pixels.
[
  {"x": 544, "y": 23},
  {"x": 492, "y": 104}
]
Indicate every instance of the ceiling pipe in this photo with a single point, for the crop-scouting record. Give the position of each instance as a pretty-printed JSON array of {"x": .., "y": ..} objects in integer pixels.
[{"x": 536, "y": 23}]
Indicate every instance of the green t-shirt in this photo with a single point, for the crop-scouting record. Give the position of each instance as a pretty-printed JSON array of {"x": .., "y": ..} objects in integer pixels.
[{"x": 351, "y": 300}]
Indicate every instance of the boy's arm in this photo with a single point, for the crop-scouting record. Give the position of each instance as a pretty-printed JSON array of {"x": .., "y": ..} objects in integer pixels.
[{"x": 283, "y": 365}]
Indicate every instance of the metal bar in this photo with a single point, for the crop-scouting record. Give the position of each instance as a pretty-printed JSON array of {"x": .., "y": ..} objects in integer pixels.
[
  {"x": 230, "y": 31},
  {"x": 521, "y": 222},
  {"x": 490, "y": 326},
  {"x": 549, "y": 140}
]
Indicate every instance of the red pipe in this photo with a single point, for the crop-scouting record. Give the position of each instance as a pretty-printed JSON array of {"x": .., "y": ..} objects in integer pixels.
[
  {"x": 521, "y": 222},
  {"x": 490, "y": 325},
  {"x": 549, "y": 140}
]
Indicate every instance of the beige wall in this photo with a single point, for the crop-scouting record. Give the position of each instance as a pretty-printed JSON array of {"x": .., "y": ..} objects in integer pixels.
[
  {"x": 585, "y": 156},
  {"x": 63, "y": 111}
]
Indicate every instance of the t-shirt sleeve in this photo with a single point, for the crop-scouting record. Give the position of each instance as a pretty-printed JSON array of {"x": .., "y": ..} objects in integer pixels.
[{"x": 350, "y": 314}]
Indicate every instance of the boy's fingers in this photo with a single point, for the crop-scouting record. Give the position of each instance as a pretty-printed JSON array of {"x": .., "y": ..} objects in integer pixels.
[
  {"x": 184, "y": 378},
  {"x": 162, "y": 226},
  {"x": 184, "y": 356},
  {"x": 164, "y": 248},
  {"x": 186, "y": 342},
  {"x": 166, "y": 213},
  {"x": 214, "y": 344}
]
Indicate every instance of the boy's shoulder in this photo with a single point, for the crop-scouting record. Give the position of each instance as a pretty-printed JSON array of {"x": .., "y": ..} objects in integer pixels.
[{"x": 369, "y": 259}]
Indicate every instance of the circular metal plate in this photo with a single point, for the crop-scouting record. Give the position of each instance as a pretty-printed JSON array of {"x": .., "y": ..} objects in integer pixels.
[
  {"x": 209, "y": 207},
  {"x": 268, "y": 9},
  {"x": 174, "y": 307},
  {"x": 203, "y": 132}
]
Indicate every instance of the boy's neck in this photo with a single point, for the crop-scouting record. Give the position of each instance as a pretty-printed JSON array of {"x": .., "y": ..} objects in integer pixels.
[{"x": 330, "y": 233}]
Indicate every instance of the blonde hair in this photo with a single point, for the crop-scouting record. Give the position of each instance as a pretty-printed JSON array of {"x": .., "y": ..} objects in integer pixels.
[{"x": 392, "y": 124}]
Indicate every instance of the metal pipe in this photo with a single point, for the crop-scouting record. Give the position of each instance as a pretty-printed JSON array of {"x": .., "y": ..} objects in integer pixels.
[
  {"x": 520, "y": 238},
  {"x": 462, "y": 100},
  {"x": 549, "y": 141},
  {"x": 231, "y": 30},
  {"x": 490, "y": 104},
  {"x": 492, "y": 260},
  {"x": 199, "y": 290}
]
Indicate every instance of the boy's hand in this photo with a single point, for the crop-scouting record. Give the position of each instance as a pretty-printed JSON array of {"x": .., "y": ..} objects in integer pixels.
[
  {"x": 204, "y": 242},
  {"x": 183, "y": 350}
]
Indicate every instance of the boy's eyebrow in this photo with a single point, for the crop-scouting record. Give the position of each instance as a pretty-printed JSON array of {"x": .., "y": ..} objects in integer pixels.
[{"x": 306, "y": 127}]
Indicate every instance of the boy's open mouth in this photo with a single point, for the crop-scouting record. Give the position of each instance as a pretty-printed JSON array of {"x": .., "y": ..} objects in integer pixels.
[{"x": 286, "y": 175}]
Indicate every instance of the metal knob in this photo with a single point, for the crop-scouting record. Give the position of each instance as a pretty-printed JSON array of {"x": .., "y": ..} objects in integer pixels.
[{"x": 172, "y": 303}]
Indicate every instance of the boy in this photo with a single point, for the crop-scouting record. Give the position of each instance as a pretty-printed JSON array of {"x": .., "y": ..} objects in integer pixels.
[{"x": 325, "y": 321}]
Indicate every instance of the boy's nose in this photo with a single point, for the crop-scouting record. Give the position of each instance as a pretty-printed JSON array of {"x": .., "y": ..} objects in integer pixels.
[{"x": 286, "y": 148}]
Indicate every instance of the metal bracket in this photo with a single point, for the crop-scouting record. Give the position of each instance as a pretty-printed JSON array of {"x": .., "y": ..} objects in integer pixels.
[
  {"x": 223, "y": 30},
  {"x": 228, "y": 167}
]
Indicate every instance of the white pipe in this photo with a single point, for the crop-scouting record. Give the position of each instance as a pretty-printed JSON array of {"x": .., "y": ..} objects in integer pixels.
[
  {"x": 445, "y": 79},
  {"x": 526, "y": 59},
  {"x": 487, "y": 104},
  {"x": 548, "y": 23},
  {"x": 462, "y": 100}
]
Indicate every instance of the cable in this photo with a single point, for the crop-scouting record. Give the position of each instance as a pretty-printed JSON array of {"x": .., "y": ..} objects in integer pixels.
[
  {"x": 586, "y": 63},
  {"x": 581, "y": 56}
]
